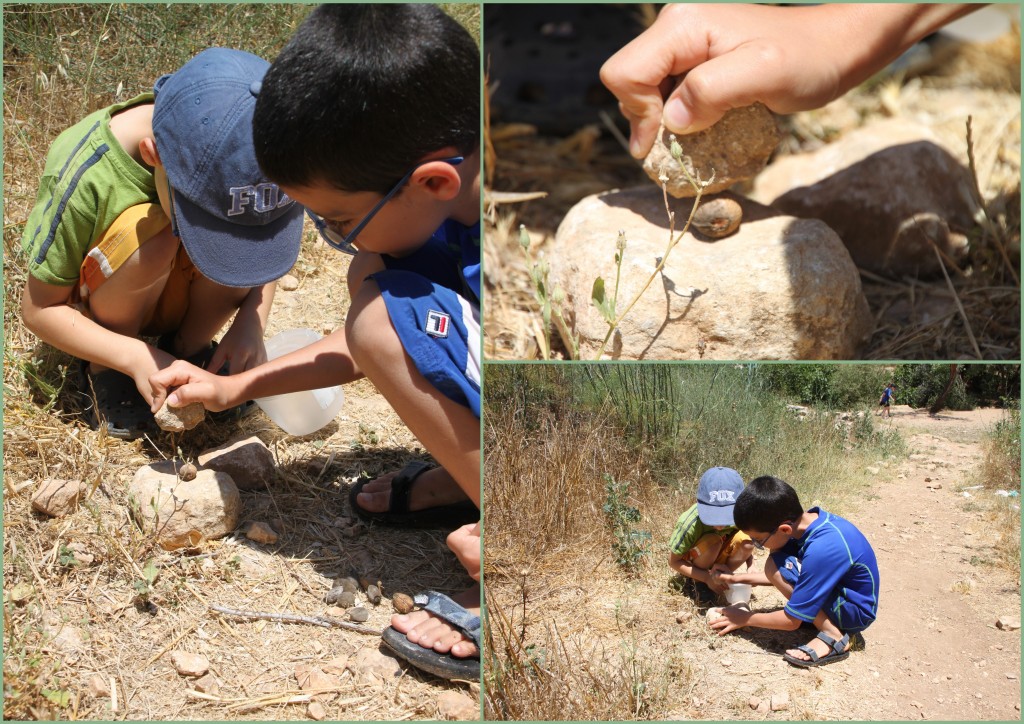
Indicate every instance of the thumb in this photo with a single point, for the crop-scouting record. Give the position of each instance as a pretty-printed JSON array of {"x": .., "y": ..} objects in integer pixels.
[{"x": 718, "y": 85}]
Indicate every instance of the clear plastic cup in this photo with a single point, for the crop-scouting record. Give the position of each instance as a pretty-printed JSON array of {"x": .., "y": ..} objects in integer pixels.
[
  {"x": 305, "y": 412},
  {"x": 738, "y": 593}
]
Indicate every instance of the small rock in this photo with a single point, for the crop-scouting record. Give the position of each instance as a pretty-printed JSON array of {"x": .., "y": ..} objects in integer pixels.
[
  {"x": 683, "y": 616},
  {"x": 1008, "y": 623},
  {"x": 714, "y": 613},
  {"x": 288, "y": 283},
  {"x": 872, "y": 470},
  {"x": 187, "y": 472},
  {"x": 57, "y": 497},
  {"x": 313, "y": 679},
  {"x": 736, "y": 148},
  {"x": 248, "y": 461},
  {"x": 456, "y": 705},
  {"x": 316, "y": 711},
  {"x": 99, "y": 686},
  {"x": 348, "y": 583},
  {"x": 335, "y": 611},
  {"x": 1011, "y": 676},
  {"x": 716, "y": 218},
  {"x": 726, "y": 662},
  {"x": 261, "y": 533},
  {"x": 372, "y": 662},
  {"x": 755, "y": 701},
  {"x": 780, "y": 701},
  {"x": 179, "y": 419},
  {"x": 188, "y": 664},
  {"x": 402, "y": 602},
  {"x": 764, "y": 706},
  {"x": 207, "y": 684},
  {"x": 359, "y": 615},
  {"x": 336, "y": 666},
  {"x": 373, "y": 594}
]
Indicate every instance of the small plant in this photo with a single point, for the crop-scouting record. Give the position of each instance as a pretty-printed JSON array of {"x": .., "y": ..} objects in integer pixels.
[
  {"x": 66, "y": 557},
  {"x": 144, "y": 585},
  {"x": 550, "y": 300},
  {"x": 630, "y": 546}
]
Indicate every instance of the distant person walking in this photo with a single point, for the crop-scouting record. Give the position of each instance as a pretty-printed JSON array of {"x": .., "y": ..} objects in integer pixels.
[{"x": 886, "y": 399}]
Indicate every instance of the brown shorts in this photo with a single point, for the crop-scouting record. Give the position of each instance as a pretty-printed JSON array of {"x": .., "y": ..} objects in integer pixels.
[{"x": 730, "y": 545}]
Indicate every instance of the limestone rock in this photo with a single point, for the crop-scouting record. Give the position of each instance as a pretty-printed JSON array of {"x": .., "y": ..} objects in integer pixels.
[
  {"x": 179, "y": 419},
  {"x": 316, "y": 711},
  {"x": 736, "y": 148},
  {"x": 182, "y": 513},
  {"x": 248, "y": 461},
  {"x": 188, "y": 664},
  {"x": 373, "y": 662},
  {"x": 456, "y": 705},
  {"x": 261, "y": 533},
  {"x": 780, "y": 701},
  {"x": 98, "y": 687},
  {"x": 288, "y": 283},
  {"x": 313, "y": 679},
  {"x": 1008, "y": 623},
  {"x": 57, "y": 497},
  {"x": 779, "y": 288},
  {"x": 207, "y": 684},
  {"x": 888, "y": 189}
]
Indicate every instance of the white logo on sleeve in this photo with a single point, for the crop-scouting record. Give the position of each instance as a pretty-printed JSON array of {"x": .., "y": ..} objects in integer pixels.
[{"x": 438, "y": 323}]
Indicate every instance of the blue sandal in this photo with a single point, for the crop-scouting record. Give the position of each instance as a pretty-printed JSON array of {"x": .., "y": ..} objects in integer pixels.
[
  {"x": 444, "y": 666},
  {"x": 837, "y": 652}
]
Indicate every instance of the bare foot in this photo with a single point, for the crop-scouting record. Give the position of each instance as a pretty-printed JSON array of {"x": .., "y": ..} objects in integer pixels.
[
  {"x": 433, "y": 488},
  {"x": 430, "y": 632},
  {"x": 819, "y": 647}
]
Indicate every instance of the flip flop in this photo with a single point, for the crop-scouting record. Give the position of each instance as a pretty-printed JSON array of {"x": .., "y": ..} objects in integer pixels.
[
  {"x": 837, "y": 652},
  {"x": 111, "y": 398},
  {"x": 451, "y": 516},
  {"x": 444, "y": 666},
  {"x": 201, "y": 359}
]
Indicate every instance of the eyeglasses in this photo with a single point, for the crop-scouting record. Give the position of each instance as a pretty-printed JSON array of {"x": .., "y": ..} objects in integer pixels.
[
  {"x": 759, "y": 544},
  {"x": 343, "y": 242}
]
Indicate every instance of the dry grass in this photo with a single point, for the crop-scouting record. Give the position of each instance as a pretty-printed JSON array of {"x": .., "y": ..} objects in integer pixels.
[
  {"x": 1001, "y": 471},
  {"x": 75, "y": 606},
  {"x": 976, "y": 314}
]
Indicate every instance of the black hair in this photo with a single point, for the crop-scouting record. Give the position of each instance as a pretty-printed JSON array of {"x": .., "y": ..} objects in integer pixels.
[
  {"x": 765, "y": 504},
  {"x": 361, "y": 93}
]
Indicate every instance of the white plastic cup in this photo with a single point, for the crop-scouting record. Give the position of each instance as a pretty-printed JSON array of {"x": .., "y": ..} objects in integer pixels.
[
  {"x": 299, "y": 413},
  {"x": 738, "y": 593}
]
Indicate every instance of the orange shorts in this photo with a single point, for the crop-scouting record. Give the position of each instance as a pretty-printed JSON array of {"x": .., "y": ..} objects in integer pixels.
[
  {"x": 729, "y": 547},
  {"x": 133, "y": 228}
]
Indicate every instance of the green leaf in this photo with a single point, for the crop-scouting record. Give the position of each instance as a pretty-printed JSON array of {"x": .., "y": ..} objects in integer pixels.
[
  {"x": 58, "y": 696},
  {"x": 150, "y": 572},
  {"x": 603, "y": 303}
]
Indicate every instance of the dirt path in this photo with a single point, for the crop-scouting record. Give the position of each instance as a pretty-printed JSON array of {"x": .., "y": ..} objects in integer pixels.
[{"x": 935, "y": 651}]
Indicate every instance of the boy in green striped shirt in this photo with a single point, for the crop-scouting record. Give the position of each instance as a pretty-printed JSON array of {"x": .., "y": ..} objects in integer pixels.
[{"x": 705, "y": 542}]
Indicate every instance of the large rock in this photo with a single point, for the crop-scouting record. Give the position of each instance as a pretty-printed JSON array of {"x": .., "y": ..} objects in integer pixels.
[
  {"x": 248, "y": 461},
  {"x": 736, "y": 149},
  {"x": 779, "y": 288},
  {"x": 182, "y": 513},
  {"x": 889, "y": 190}
]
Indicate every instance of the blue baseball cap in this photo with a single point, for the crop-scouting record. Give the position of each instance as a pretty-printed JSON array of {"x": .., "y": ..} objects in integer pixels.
[
  {"x": 716, "y": 495},
  {"x": 239, "y": 228}
]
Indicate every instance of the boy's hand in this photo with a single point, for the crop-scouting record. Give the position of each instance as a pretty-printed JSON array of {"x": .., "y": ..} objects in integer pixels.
[
  {"x": 720, "y": 578},
  {"x": 733, "y": 617},
  {"x": 183, "y": 383},
  {"x": 241, "y": 347}
]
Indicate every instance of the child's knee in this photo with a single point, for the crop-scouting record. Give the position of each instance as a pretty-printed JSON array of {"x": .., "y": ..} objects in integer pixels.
[{"x": 706, "y": 550}]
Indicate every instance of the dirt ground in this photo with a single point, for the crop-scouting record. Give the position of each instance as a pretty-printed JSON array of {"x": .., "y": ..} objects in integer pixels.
[{"x": 88, "y": 621}]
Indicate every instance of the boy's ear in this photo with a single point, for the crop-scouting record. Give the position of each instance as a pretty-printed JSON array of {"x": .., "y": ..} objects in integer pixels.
[
  {"x": 147, "y": 149},
  {"x": 439, "y": 179}
]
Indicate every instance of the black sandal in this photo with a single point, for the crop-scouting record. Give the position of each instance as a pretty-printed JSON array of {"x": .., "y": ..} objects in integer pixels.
[{"x": 398, "y": 514}]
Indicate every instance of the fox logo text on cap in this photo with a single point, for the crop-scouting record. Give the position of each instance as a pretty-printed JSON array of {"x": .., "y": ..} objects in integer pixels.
[{"x": 716, "y": 495}]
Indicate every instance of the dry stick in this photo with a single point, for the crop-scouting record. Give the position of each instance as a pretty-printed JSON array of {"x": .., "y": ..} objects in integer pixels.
[
  {"x": 322, "y": 621},
  {"x": 989, "y": 225},
  {"x": 959, "y": 305}
]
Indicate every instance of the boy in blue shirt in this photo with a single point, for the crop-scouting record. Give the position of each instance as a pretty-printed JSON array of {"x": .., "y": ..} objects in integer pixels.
[
  {"x": 820, "y": 562},
  {"x": 370, "y": 118}
]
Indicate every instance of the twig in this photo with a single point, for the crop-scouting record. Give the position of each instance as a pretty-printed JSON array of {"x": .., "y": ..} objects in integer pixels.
[
  {"x": 322, "y": 621},
  {"x": 959, "y": 304}
]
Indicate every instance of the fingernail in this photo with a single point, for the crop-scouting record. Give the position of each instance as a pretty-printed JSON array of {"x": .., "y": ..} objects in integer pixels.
[
  {"x": 677, "y": 116},
  {"x": 172, "y": 400},
  {"x": 634, "y": 147}
]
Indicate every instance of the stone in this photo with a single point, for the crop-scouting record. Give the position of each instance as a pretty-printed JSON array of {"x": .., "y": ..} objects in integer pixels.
[
  {"x": 359, "y": 615},
  {"x": 187, "y": 472},
  {"x": 1008, "y": 623},
  {"x": 261, "y": 533},
  {"x": 873, "y": 470},
  {"x": 764, "y": 706},
  {"x": 888, "y": 190},
  {"x": 313, "y": 679},
  {"x": 713, "y": 614},
  {"x": 98, "y": 687},
  {"x": 780, "y": 701},
  {"x": 373, "y": 594},
  {"x": 248, "y": 461},
  {"x": 56, "y": 497},
  {"x": 183, "y": 514},
  {"x": 207, "y": 684},
  {"x": 457, "y": 705},
  {"x": 374, "y": 663},
  {"x": 736, "y": 148},
  {"x": 316, "y": 711},
  {"x": 402, "y": 602},
  {"x": 335, "y": 611},
  {"x": 779, "y": 288},
  {"x": 754, "y": 702},
  {"x": 341, "y": 597},
  {"x": 348, "y": 583},
  {"x": 288, "y": 283},
  {"x": 189, "y": 664},
  {"x": 717, "y": 217},
  {"x": 179, "y": 419}
]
